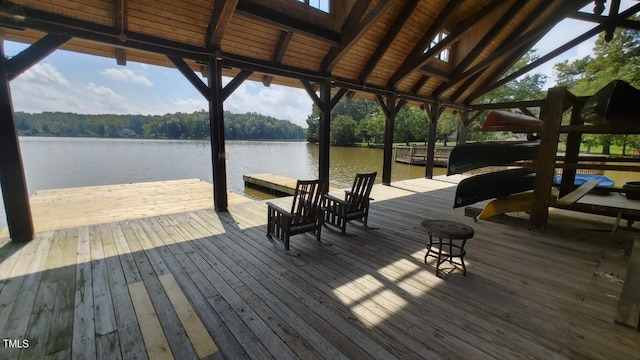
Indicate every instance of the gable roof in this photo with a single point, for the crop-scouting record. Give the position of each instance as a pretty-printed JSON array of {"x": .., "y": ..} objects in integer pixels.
[{"x": 367, "y": 46}]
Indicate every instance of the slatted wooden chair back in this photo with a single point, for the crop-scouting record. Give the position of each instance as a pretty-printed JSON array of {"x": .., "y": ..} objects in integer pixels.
[
  {"x": 360, "y": 192},
  {"x": 307, "y": 201}
]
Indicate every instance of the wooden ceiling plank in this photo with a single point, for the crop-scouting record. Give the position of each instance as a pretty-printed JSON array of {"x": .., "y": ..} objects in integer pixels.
[
  {"x": 286, "y": 22},
  {"x": 355, "y": 33},
  {"x": 222, "y": 12},
  {"x": 509, "y": 47},
  {"x": 398, "y": 24},
  {"x": 33, "y": 54},
  {"x": 191, "y": 76},
  {"x": 418, "y": 57},
  {"x": 486, "y": 40}
]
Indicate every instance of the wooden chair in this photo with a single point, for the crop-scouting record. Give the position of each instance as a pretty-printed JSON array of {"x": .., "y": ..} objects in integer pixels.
[
  {"x": 306, "y": 213},
  {"x": 355, "y": 205}
]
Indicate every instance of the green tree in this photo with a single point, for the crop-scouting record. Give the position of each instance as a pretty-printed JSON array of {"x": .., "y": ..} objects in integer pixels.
[
  {"x": 371, "y": 129},
  {"x": 343, "y": 130},
  {"x": 447, "y": 125},
  {"x": 410, "y": 125}
]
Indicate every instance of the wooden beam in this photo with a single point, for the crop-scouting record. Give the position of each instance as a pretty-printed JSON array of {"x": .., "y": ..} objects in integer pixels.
[
  {"x": 358, "y": 10},
  {"x": 390, "y": 108},
  {"x": 235, "y": 83},
  {"x": 354, "y": 34},
  {"x": 418, "y": 57},
  {"x": 398, "y": 24},
  {"x": 509, "y": 47},
  {"x": 278, "y": 53},
  {"x": 216, "y": 128},
  {"x": 122, "y": 21},
  {"x": 481, "y": 45},
  {"x": 312, "y": 93},
  {"x": 33, "y": 54},
  {"x": 551, "y": 114},
  {"x": 433, "y": 112},
  {"x": 324, "y": 130},
  {"x": 619, "y": 22},
  {"x": 191, "y": 77},
  {"x": 435, "y": 73},
  {"x": 419, "y": 84},
  {"x": 12, "y": 179},
  {"x": 543, "y": 59},
  {"x": 220, "y": 16},
  {"x": 337, "y": 97},
  {"x": 121, "y": 56},
  {"x": 66, "y": 26},
  {"x": 286, "y": 22}
]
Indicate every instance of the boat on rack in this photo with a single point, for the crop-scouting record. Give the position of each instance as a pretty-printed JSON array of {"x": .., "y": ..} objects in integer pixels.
[
  {"x": 492, "y": 185},
  {"x": 604, "y": 185},
  {"x": 467, "y": 157},
  {"x": 508, "y": 121}
]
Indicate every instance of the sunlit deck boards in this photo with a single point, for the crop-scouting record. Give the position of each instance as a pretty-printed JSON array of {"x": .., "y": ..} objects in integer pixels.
[
  {"x": 526, "y": 294},
  {"x": 65, "y": 208}
]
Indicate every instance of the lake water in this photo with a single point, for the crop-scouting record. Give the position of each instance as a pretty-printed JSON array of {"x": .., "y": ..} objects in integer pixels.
[{"x": 55, "y": 163}]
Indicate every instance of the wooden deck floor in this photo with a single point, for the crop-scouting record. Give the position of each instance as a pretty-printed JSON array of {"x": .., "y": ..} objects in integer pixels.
[{"x": 148, "y": 287}]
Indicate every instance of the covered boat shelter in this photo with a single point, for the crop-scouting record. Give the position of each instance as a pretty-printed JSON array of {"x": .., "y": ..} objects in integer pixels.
[{"x": 435, "y": 55}]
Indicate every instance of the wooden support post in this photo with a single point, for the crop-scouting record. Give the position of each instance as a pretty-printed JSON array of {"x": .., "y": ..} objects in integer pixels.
[
  {"x": 464, "y": 130},
  {"x": 390, "y": 109},
  {"x": 433, "y": 113},
  {"x": 551, "y": 115},
  {"x": 12, "y": 179},
  {"x": 572, "y": 152},
  {"x": 324, "y": 129},
  {"x": 216, "y": 127}
]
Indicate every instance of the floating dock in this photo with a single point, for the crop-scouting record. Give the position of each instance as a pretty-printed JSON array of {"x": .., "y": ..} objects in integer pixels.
[
  {"x": 417, "y": 155},
  {"x": 273, "y": 184}
]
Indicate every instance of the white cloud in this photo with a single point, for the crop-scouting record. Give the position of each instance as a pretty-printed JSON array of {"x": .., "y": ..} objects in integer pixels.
[
  {"x": 44, "y": 73},
  {"x": 277, "y": 101},
  {"x": 126, "y": 75}
]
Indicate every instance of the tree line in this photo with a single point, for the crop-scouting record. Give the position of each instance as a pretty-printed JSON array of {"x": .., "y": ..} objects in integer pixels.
[{"x": 249, "y": 126}]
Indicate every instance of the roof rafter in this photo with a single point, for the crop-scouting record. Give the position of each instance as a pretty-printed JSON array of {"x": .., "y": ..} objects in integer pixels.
[
  {"x": 490, "y": 83},
  {"x": 399, "y": 22},
  {"x": 220, "y": 16},
  {"x": 286, "y": 22},
  {"x": 278, "y": 53},
  {"x": 481, "y": 45},
  {"x": 509, "y": 47},
  {"x": 355, "y": 32},
  {"x": 599, "y": 19},
  {"x": 419, "y": 57},
  {"x": 416, "y": 56}
]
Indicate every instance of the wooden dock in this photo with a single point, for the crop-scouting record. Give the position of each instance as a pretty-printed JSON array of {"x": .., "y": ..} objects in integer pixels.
[
  {"x": 272, "y": 183},
  {"x": 201, "y": 284},
  {"x": 90, "y": 205},
  {"x": 417, "y": 155}
]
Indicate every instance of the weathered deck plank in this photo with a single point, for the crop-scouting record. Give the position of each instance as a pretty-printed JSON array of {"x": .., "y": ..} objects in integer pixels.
[{"x": 139, "y": 287}]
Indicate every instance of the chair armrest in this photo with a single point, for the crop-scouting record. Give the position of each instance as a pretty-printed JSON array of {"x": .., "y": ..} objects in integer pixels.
[
  {"x": 350, "y": 193},
  {"x": 332, "y": 198},
  {"x": 280, "y": 210}
]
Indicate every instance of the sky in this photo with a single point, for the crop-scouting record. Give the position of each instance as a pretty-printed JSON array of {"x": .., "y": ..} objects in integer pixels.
[{"x": 73, "y": 82}]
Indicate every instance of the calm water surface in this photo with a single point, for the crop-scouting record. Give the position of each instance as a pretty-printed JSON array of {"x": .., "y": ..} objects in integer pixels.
[{"x": 54, "y": 163}]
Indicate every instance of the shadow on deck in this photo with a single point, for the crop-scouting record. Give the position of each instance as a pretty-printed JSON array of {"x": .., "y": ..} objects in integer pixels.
[{"x": 147, "y": 287}]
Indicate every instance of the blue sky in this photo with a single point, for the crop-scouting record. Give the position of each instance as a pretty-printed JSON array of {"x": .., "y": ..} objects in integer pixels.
[{"x": 72, "y": 82}]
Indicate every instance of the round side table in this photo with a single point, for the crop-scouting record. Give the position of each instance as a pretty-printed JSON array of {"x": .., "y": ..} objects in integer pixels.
[{"x": 452, "y": 237}]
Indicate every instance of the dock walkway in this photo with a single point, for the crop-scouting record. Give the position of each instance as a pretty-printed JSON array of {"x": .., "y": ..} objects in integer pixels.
[
  {"x": 272, "y": 183},
  {"x": 201, "y": 284}
]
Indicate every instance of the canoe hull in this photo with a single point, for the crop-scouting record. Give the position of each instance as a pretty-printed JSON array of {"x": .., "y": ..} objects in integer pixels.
[
  {"x": 492, "y": 185},
  {"x": 467, "y": 157}
]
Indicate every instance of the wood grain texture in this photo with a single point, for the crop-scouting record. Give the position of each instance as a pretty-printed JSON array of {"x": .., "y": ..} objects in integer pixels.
[{"x": 200, "y": 284}]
